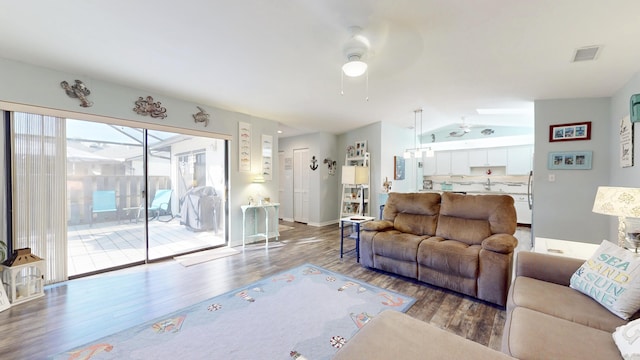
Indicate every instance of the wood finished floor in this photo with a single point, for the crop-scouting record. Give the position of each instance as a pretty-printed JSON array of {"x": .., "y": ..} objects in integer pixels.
[{"x": 83, "y": 310}]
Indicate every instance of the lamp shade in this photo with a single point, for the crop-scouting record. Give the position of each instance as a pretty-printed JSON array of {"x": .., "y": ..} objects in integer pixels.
[
  {"x": 355, "y": 175},
  {"x": 617, "y": 201},
  {"x": 354, "y": 68}
]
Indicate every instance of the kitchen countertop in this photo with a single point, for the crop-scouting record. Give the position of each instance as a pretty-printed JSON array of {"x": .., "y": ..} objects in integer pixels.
[{"x": 477, "y": 192}]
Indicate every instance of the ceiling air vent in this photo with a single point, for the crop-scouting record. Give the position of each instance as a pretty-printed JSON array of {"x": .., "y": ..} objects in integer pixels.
[{"x": 586, "y": 53}]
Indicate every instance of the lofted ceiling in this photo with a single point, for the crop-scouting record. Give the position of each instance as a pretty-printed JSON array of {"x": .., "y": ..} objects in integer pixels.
[{"x": 281, "y": 59}]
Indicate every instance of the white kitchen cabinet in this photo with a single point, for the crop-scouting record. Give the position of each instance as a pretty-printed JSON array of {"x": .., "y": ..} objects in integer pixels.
[
  {"x": 488, "y": 157},
  {"x": 460, "y": 163},
  {"x": 519, "y": 160},
  {"x": 443, "y": 162},
  {"x": 522, "y": 208},
  {"x": 429, "y": 165}
]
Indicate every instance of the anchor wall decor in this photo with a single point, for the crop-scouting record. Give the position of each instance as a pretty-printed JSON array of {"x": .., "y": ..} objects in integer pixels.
[
  {"x": 78, "y": 90},
  {"x": 148, "y": 107},
  {"x": 314, "y": 163}
]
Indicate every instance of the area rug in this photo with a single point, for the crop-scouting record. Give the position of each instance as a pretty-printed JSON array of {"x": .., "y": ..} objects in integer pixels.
[
  {"x": 306, "y": 312},
  {"x": 204, "y": 256}
]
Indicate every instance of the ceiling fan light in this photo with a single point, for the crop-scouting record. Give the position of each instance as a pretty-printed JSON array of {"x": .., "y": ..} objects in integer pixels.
[{"x": 354, "y": 68}]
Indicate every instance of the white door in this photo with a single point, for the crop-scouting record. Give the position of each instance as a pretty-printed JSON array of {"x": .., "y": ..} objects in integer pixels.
[
  {"x": 285, "y": 187},
  {"x": 301, "y": 185}
]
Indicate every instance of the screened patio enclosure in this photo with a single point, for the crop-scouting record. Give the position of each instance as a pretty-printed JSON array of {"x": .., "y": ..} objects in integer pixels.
[{"x": 132, "y": 194}]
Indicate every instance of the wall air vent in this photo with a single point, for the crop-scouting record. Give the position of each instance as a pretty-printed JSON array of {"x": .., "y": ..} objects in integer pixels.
[{"x": 586, "y": 53}]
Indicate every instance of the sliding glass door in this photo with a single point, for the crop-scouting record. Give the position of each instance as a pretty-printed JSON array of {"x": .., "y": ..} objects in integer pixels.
[
  {"x": 132, "y": 194},
  {"x": 105, "y": 184},
  {"x": 186, "y": 177}
]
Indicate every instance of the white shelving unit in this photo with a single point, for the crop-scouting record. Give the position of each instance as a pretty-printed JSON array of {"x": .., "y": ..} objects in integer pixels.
[{"x": 354, "y": 196}]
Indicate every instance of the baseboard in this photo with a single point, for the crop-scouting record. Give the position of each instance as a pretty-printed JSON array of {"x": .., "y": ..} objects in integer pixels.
[{"x": 323, "y": 223}]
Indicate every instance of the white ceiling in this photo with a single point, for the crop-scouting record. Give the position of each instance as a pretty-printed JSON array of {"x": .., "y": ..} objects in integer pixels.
[{"x": 281, "y": 59}]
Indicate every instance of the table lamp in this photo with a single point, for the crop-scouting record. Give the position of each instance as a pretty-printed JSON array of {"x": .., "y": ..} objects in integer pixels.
[
  {"x": 624, "y": 203},
  {"x": 356, "y": 175}
]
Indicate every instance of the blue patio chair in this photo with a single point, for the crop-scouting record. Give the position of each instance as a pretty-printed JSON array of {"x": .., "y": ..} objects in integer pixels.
[
  {"x": 160, "y": 206},
  {"x": 103, "y": 201}
]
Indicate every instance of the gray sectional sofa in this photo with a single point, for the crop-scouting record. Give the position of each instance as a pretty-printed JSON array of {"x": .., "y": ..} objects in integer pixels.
[{"x": 546, "y": 319}]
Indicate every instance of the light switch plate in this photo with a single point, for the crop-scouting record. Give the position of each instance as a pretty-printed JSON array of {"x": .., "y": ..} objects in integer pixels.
[{"x": 552, "y": 177}]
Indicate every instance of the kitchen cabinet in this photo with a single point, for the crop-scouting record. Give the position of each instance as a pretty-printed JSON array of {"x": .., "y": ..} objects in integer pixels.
[
  {"x": 522, "y": 208},
  {"x": 443, "y": 162},
  {"x": 488, "y": 157},
  {"x": 519, "y": 160},
  {"x": 452, "y": 163},
  {"x": 429, "y": 165},
  {"x": 460, "y": 163}
]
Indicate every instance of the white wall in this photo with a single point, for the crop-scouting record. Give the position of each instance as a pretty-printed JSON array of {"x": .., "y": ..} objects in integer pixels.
[
  {"x": 323, "y": 188},
  {"x": 562, "y": 209},
  {"x": 40, "y": 87}
]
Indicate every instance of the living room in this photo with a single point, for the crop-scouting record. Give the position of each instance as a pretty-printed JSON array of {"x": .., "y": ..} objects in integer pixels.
[{"x": 563, "y": 199}]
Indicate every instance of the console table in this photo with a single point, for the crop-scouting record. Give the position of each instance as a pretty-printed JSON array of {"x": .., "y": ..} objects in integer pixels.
[{"x": 265, "y": 207}]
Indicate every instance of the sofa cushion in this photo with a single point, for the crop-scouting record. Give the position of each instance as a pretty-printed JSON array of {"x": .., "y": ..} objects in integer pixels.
[
  {"x": 611, "y": 277},
  {"x": 411, "y": 203},
  {"x": 397, "y": 245},
  {"x": 394, "y": 335},
  {"x": 531, "y": 334},
  {"x": 416, "y": 224},
  {"x": 449, "y": 256},
  {"x": 472, "y": 218},
  {"x": 627, "y": 339},
  {"x": 561, "y": 302},
  {"x": 469, "y": 231}
]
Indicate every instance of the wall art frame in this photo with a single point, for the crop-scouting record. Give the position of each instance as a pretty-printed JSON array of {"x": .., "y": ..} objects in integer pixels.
[
  {"x": 267, "y": 156},
  {"x": 626, "y": 142},
  {"x": 570, "y": 131},
  {"x": 570, "y": 160},
  {"x": 398, "y": 168},
  {"x": 360, "y": 148},
  {"x": 244, "y": 147}
]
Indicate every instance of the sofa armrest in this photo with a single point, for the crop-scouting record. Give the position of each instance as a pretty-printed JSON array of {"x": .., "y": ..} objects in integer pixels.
[
  {"x": 377, "y": 225},
  {"x": 500, "y": 243},
  {"x": 545, "y": 267}
]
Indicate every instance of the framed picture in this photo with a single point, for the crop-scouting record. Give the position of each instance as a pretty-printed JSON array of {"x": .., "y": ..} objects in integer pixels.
[
  {"x": 398, "y": 168},
  {"x": 570, "y": 132},
  {"x": 570, "y": 160},
  {"x": 626, "y": 142},
  {"x": 360, "y": 148},
  {"x": 267, "y": 159},
  {"x": 244, "y": 147}
]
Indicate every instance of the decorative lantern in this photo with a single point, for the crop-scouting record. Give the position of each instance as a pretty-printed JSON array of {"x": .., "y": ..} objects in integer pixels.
[{"x": 23, "y": 276}]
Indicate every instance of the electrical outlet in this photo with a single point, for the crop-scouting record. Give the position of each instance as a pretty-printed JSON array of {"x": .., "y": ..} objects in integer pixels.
[{"x": 552, "y": 177}]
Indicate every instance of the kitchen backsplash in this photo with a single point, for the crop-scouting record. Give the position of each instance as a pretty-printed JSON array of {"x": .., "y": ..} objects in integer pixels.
[{"x": 479, "y": 184}]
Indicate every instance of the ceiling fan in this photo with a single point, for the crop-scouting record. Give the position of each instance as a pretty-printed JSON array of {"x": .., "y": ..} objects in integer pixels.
[{"x": 464, "y": 129}]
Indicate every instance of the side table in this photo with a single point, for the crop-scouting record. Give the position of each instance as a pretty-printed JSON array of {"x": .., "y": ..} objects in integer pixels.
[
  {"x": 574, "y": 249},
  {"x": 355, "y": 222}
]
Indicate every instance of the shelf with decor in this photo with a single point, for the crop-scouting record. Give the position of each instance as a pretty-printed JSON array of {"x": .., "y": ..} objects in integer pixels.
[{"x": 355, "y": 196}]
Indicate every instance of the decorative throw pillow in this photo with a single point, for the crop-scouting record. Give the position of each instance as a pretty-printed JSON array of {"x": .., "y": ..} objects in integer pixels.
[
  {"x": 627, "y": 339},
  {"x": 612, "y": 278}
]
